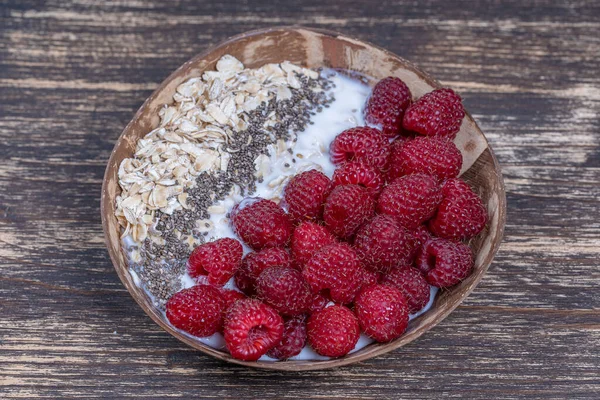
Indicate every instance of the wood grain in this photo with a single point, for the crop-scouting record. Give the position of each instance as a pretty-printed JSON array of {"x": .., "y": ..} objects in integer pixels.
[{"x": 73, "y": 73}]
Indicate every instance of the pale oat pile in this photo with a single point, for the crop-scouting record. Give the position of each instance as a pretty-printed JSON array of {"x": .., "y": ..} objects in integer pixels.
[{"x": 196, "y": 134}]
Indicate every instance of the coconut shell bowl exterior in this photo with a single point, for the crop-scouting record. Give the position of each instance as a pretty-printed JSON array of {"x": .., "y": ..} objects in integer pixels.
[{"x": 316, "y": 48}]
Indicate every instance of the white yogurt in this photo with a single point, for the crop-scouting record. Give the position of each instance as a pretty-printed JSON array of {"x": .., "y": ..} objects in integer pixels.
[{"x": 310, "y": 151}]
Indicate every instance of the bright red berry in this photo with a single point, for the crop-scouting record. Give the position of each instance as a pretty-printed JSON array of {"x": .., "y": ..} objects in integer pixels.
[
  {"x": 293, "y": 341},
  {"x": 197, "y": 310},
  {"x": 382, "y": 312},
  {"x": 436, "y": 156},
  {"x": 261, "y": 223},
  {"x": 369, "y": 278},
  {"x": 251, "y": 329},
  {"x": 411, "y": 199},
  {"x": 333, "y": 331},
  {"x": 387, "y": 104},
  {"x": 305, "y": 195},
  {"x": 255, "y": 263},
  {"x": 359, "y": 173},
  {"x": 360, "y": 144},
  {"x": 419, "y": 237},
  {"x": 335, "y": 268},
  {"x": 219, "y": 260},
  {"x": 445, "y": 263},
  {"x": 437, "y": 113},
  {"x": 412, "y": 284},
  {"x": 461, "y": 214},
  {"x": 307, "y": 238},
  {"x": 381, "y": 244},
  {"x": 347, "y": 208},
  {"x": 317, "y": 303},
  {"x": 284, "y": 289},
  {"x": 231, "y": 296}
]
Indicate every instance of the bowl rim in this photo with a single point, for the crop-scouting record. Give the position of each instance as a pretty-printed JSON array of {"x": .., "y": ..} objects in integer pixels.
[{"x": 297, "y": 365}]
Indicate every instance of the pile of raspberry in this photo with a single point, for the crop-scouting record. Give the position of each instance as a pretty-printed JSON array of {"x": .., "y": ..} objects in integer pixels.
[{"x": 357, "y": 252}]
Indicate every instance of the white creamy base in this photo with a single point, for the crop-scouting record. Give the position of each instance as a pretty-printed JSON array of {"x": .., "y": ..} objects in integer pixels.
[{"x": 310, "y": 152}]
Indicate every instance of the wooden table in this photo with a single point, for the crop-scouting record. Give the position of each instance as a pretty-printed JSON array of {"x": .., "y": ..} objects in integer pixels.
[{"x": 73, "y": 73}]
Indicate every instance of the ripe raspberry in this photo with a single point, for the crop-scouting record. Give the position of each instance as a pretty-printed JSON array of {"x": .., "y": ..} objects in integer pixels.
[
  {"x": 347, "y": 208},
  {"x": 284, "y": 289},
  {"x": 359, "y": 173},
  {"x": 219, "y": 260},
  {"x": 445, "y": 263},
  {"x": 382, "y": 245},
  {"x": 335, "y": 268},
  {"x": 432, "y": 155},
  {"x": 251, "y": 329},
  {"x": 382, "y": 312},
  {"x": 437, "y": 113},
  {"x": 360, "y": 144},
  {"x": 369, "y": 278},
  {"x": 419, "y": 237},
  {"x": 305, "y": 195},
  {"x": 261, "y": 223},
  {"x": 307, "y": 238},
  {"x": 255, "y": 263},
  {"x": 461, "y": 214},
  {"x": 333, "y": 331},
  {"x": 197, "y": 310},
  {"x": 294, "y": 339},
  {"x": 412, "y": 284},
  {"x": 231, "y": 296},
  {"x": 317, "y": 303},
  {"x": 411, "y": 199},
  {"x": 387, "y": 104}
]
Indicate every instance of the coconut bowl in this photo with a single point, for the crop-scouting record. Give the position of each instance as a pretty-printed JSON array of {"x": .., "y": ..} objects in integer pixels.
[{"x": 316, "y": 48}]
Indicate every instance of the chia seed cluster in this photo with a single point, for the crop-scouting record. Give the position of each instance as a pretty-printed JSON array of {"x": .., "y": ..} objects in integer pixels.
[{"x": 163, "y": 264}]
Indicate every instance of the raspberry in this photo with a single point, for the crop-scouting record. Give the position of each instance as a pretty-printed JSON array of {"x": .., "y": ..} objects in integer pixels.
[
  {"x": 432, "y": 155},
  {"x": 419, "y": 237},
  {"x": 251, "y": 329},
  {"x": 255, "y": 263},
  {"x": 335, "y": 268},
  {"x": 317, "y": 303},
  {"x": 305, "y": 195},
  {"x": 219, "y": 260},
  {"x": 382, "y": 312},
  {"x": 411, "y": 199},
  {"x": 386, "y": 105},
  {"x": 197, "y": 310},
  {"x": 382, "y": 245},
  {"x": 333, "y": 331},
  {"x": 360, "y": 144},
  {"x": 461, "y": 214},
  {"x": 359, "y": 173},
  {"x": 445, "y": 263},
  {"x": 412, "y": 284},
  {"x": 369, "y": 278},
  {"x": 347, "y": 208},
  {"x": 284, "y": 289},
  {"x": 261, "y": 223},
  {"x": 294, "y": 339},
  {"x": 307, "y": 238},
  {"x": 230, "y": 297},
  {"x": 438, "y": 113}
]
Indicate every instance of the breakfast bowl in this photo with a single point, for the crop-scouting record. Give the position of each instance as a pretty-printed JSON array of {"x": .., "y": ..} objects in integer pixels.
[{"x": 312, "y": 48}]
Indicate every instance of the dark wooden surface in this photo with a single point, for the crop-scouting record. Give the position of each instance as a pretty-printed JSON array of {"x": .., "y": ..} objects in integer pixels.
[{"x": 73, "y": 73}]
